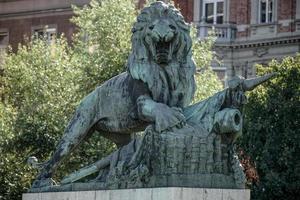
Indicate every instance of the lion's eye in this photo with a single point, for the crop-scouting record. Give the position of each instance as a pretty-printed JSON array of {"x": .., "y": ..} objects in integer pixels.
[
  {"x": 151, "y": 27},
  {"x": 172, "y": 27}
]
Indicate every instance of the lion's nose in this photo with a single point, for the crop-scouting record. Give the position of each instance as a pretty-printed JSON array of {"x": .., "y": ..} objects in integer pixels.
[
  {"x": 161, "y": 32},
  {"x": 169, "y": 36}
]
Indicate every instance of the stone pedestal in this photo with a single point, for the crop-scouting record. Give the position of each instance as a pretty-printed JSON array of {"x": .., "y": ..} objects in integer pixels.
[{"x": 168, "y": 193}]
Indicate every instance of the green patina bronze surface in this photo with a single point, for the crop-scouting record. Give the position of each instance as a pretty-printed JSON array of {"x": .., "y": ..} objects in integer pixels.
[{"x": 182, "y": 145}]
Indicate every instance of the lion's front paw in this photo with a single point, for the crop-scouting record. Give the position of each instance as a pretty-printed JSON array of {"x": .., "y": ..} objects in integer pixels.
[{"x": 166, "y": 117}]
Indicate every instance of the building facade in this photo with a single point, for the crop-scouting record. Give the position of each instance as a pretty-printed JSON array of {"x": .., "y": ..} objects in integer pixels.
[
  {"x": 21, "y": 19},
  {"x": 248, "y": 32}
]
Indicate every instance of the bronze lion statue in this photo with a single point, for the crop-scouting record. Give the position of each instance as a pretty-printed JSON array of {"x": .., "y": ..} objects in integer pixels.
[{"x": 158, "y": 84}]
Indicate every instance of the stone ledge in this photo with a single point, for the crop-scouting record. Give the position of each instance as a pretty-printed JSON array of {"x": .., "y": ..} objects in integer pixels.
[{"x": 168, "y": 193}]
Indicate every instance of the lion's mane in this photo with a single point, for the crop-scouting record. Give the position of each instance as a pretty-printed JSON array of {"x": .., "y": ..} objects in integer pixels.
[{"x": 173, "y": 84}]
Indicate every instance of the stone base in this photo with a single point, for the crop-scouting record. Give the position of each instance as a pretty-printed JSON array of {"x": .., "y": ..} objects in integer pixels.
[{"x": 169, "y": 193}]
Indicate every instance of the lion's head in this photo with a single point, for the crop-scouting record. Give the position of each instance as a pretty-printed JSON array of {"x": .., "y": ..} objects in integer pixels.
[{"x": 161, "y": 54}]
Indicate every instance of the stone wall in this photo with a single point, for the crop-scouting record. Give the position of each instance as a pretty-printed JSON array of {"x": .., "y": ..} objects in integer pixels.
[
  {"x": 21, "y": 28},
  {"x": 170, "y": 193},
  {"x": 14, "y": 7},
  {"x": 20, "y": 17},
  {"x": 286, "y": 15},
  {"x": 186, "y": 8}
]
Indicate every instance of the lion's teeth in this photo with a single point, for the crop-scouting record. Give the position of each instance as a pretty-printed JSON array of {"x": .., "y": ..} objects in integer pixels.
[{"x": 170, "y": 52}]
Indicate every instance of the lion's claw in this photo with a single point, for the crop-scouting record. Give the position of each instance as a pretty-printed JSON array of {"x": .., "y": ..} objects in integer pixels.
[{"x": 167, "y": 118}]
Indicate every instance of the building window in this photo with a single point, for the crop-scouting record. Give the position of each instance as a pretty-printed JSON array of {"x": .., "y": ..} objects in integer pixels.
[
  {"x": 3, "y": 37},
  {"x": 48, "y": 33},
  {"x": 266, "y": 8},
  {"x": 213, "y": 11}
]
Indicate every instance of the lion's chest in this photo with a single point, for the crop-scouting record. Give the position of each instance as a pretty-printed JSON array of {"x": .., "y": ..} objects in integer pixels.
[{"x": 117, "y": 106}]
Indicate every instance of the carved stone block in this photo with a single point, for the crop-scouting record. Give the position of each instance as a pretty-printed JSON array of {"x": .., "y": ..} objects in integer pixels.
[{"x": 169, "y": 193}]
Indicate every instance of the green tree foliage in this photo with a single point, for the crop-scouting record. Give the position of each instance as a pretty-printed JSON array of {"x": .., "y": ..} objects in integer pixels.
[
  {"x": 271, "y": 134},
  {"x": 206, "y": 80},
  {"x": 38, "y": 98},
  {"x": 40, "y": 93},
  {"x": 103, "y": 42},
  {"x": 207, "y": 84}
]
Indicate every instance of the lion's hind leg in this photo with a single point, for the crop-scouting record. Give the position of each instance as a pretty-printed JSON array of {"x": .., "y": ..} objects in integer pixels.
[{"x": 80, "y": 126}]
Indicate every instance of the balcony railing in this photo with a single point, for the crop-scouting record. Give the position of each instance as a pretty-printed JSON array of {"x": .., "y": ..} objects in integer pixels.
[{"x": 223, "y": 32}]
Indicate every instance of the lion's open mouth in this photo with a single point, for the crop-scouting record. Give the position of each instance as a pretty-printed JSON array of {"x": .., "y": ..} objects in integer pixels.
[{"x": 163, "y": 52}]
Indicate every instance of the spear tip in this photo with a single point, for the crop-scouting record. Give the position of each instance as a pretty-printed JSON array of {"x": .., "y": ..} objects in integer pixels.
[{"x": 250, "y": 84}]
